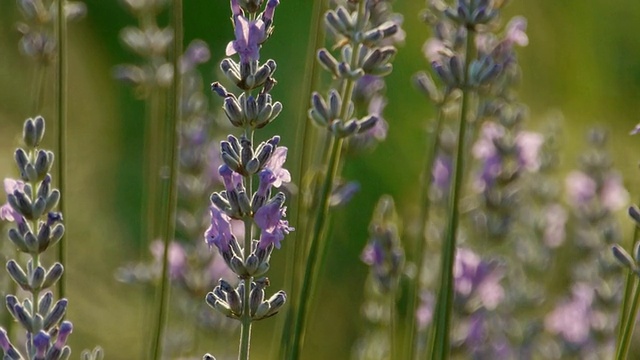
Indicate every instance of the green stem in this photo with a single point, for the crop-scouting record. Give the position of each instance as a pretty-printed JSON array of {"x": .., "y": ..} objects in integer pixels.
[
  {"x": 628, "y": 288},
  {"x": 61, "y": 153},
  {"x": 425, "y": 205},
  {"x": 623, "y": 349},
  {"x": 171, "y": 198},
  {"x": 293, "y": 254},
  {"x": 38, "y": 91},
  {"x": 245, "y": 320},
  {"x": 440, "y": 338},
  {"x": 393, "y": 342}
]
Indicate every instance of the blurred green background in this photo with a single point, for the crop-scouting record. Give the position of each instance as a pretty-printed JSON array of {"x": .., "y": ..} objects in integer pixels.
[{"x": 583, "y": 60}]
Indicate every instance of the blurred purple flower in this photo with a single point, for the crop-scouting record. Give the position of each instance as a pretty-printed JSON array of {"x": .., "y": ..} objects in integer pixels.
[
  {"x": 7, "y": 212},
  {"x": 177, "y": 260},
  {"x": 373, "y": 254},
  {"x": 613, "y": 194},
  {"x": 516, "y": 31},
  {"x": 582, "y": 189},
  {"x": 571, "y": 319},
  {"x": 379, "y": 131},
  {"x": 219, "y": 233},
  {"x": 269, "y": 220},
  {"x": 249, "y": 35},
  {"x": 425, "y": 310},
  {"x": 66, "y": 328},
  {"x": 441, "y": 172},
  {"x": 475, "y": 277},
  {"x": 275, "y": 163},
  {"x": 197, "y": 53},
  {"x": 343, "y": 193}
]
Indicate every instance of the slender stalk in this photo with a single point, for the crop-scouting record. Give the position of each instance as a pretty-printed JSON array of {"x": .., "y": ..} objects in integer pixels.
[
  {"x": 245, "y": 331},
  {"x": 440, "y": 338},
  {"x": 171, "y": 198},
  {"x": 628, "y": 288},
  {"x": 61, "y": 152},
  {"x": 293, "y": 254},
  {"x": 316, "y": 249},
  {"x": 393, "y": 341},
  {"x": 38, "y": 91},
  {"x": 622, "y": 350},
  {"x": 425, "y": 205}
]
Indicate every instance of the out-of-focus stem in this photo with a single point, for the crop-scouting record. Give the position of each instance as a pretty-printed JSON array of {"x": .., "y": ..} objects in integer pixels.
[
  {"x": 628, "y": 288},
  {"x": 171, "y": 198},
  {"x": 61, "y": 153},
  {"x": 440, "y": 340},
  {"x": 622, "y": 350}
]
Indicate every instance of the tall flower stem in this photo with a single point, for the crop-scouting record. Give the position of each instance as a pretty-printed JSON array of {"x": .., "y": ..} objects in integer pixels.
[
  {"x": 425, "y": 205},
  {"x": 303, "y": 135},
  {"x": 171, "y": 197},
  {"x": 245, "y": 331},
  {"x": 318, "y": 240},
  {"x": 440, "y": 340},
  {"x": 629, "y": 320},
  {"x": 61, "y": 152},
  {"x": 629, "y": 285}
]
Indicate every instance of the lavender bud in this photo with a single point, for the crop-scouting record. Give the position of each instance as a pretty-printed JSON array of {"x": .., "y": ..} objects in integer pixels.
[
  {"x": 32, "y": 243},
  {"x": 21, "y": 203},
  {"x": 56, "y": 314},
  {"x": 237, "y": 266},
  {"x": 46, "y": 301},
  {"x": 219, "y": 201},
  {"x": 37, "y": 278},
  {"x": 319, "y": 111},
  {"x": 41, "y": 342},
  {"x": 332, "y": 20},
  {"x": 261, "y": 311},
  {"x": 224, "y": 309},
  {"x": 256, "y": 299},
  {"x": 335, "y": 105},
  {"x": 233, "y": 111},
  {"x": 23, "y": 318},
  {"x": 276, "y": 302},
  {"x": 328, "y": 62},
  {"x": 11, "y": 302},
  {"x": 56, "y": 234},
  {"x": 208, "y": 357},
  {"x": 219, "y": 89},
  {"x": 231, "y": 162},
  {"x": 250, "y": 108},
  {"x": 263, "y": 73},
  {"x": 424, "y": 83},
  {"x": 367, "y": 123},
  {"x": 29, "y": 134},
  {"x": 18, "y": 240},
  {"x": 456, "y": 68},
  {"x": 252, "y": 264},
  {"x": 39, "y": 207},
  {"x": 386, "y": 29},
  {"x": 30, "y": 173},
  {"x": 244, "y": 202},
  {"x": 54, "y": 274},
  {"x": 17, "y": 274},
  {"x": 348, "y": 20},
  {"x": 225, "y": 147},
  {"x": 44, "y": 187},
  {"x": 635, "y": 214},
  {"x": 234, "y": 302},
  {"x": 66, "y": 328},
  {"x": 44, "y": 160},
  {"x": 22, "y": 160},
  {"x": 39, "y": 125},
  {"x": 247, "y": 150},
  {"x": 52, "y": 200}
]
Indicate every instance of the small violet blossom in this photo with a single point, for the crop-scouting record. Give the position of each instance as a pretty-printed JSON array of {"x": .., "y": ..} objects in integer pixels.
[
  {"x": 7, "y": 212},
  {"x": 219, "y": 233},
  {"x": 572, "y": 318},
  {"x": 231, "y": 179},
  {"x": 249, "y": 35},
  {"x": 269, "y": 220},
  {"x": 274, "y": 164},
  {"x": 177, "y": 257},
  {"x": 473, "y": 276}
]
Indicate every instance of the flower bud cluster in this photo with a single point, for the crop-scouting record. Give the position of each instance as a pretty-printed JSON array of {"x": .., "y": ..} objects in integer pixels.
[
  {"x": 228, "y": 300},
  {"x": 38, "y": 40},
  {"x": 366, "y": 49},
  {"x": 30, "y": 206},
  {"x": 241, "y": 163},
  {"x": 152, "y": 43},
  {"x": 384, "y": 253}
]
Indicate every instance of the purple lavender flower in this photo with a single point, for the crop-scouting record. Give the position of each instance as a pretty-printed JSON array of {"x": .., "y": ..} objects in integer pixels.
[
  {"x": 475, "y": 277},
  {"x": 6, "y": 211},
  {"x": 274, "y": 164},
  {"x": 65, "y": 330},
  {"x": 582, "y": 189},
  {"x": 424, "y": 314},
  {"x": 231, "y": 179},
  {"x": 41, "y": 343},
  {"x": 572, "y": 319},
  {"x": 197, "y": 53},
  {"x": 555, "y": 219},
  {"x": 269, "y": 220},
  {"x": 441, "y": 173},
  {"x": 249, "y": 35},
  {"x": 516, "y": 31},
  {"x": 373, "y": 254},
  {"x": 219, "y": 233}
]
